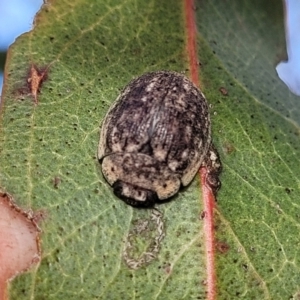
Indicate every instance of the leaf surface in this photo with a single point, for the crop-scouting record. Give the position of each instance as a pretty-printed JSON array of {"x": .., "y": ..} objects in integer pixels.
[
  {"x": 48, "y": 157},
  {"x": 257, "y": 129},
  {"x": 90, "y": 50}
]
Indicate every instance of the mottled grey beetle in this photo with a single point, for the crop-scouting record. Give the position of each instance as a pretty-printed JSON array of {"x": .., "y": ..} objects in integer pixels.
[{"x": 155, "y": 137}]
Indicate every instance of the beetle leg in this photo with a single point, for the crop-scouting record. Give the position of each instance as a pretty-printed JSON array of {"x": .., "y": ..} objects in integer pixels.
[{"x": 214, "y": 168}]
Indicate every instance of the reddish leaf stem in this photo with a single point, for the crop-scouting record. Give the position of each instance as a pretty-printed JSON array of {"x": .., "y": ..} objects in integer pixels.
[
  {"x": 191, "y": 33},
  {"x": 208, "y": 197},
  {"x": 209, "y": 204}
]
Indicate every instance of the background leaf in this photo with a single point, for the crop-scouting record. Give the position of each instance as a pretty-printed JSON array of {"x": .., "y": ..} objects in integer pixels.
[
  {"x": 93, "y": 50},
  {"x": 257, "y": 129},
  {"x": 48, "y": 156}
]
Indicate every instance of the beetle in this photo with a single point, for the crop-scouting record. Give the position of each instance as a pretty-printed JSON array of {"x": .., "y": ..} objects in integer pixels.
[{"x": 155, "y": 137}]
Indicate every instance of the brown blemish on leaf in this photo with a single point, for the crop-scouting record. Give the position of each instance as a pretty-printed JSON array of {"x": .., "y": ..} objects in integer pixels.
[
  {"x": 39, "y": 216},
  {"x": 222, "y": 247},
  {"x": 36, "y": 77},
  {"x": 223, "y": 91},
  {"x": 19, "y": 241},
  {"x": 228, "y": 148},
  {"x": 168, "y": 268},
  {"x": 204, "y": 282},
  {"x": 56, "y": 182},
  {"x": 32, "y": 83}
]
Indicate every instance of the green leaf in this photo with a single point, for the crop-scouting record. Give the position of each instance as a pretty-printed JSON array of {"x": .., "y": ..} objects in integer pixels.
[
  {"x": 257, "y": 129},
  {"x": 48, "y": 151}
]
